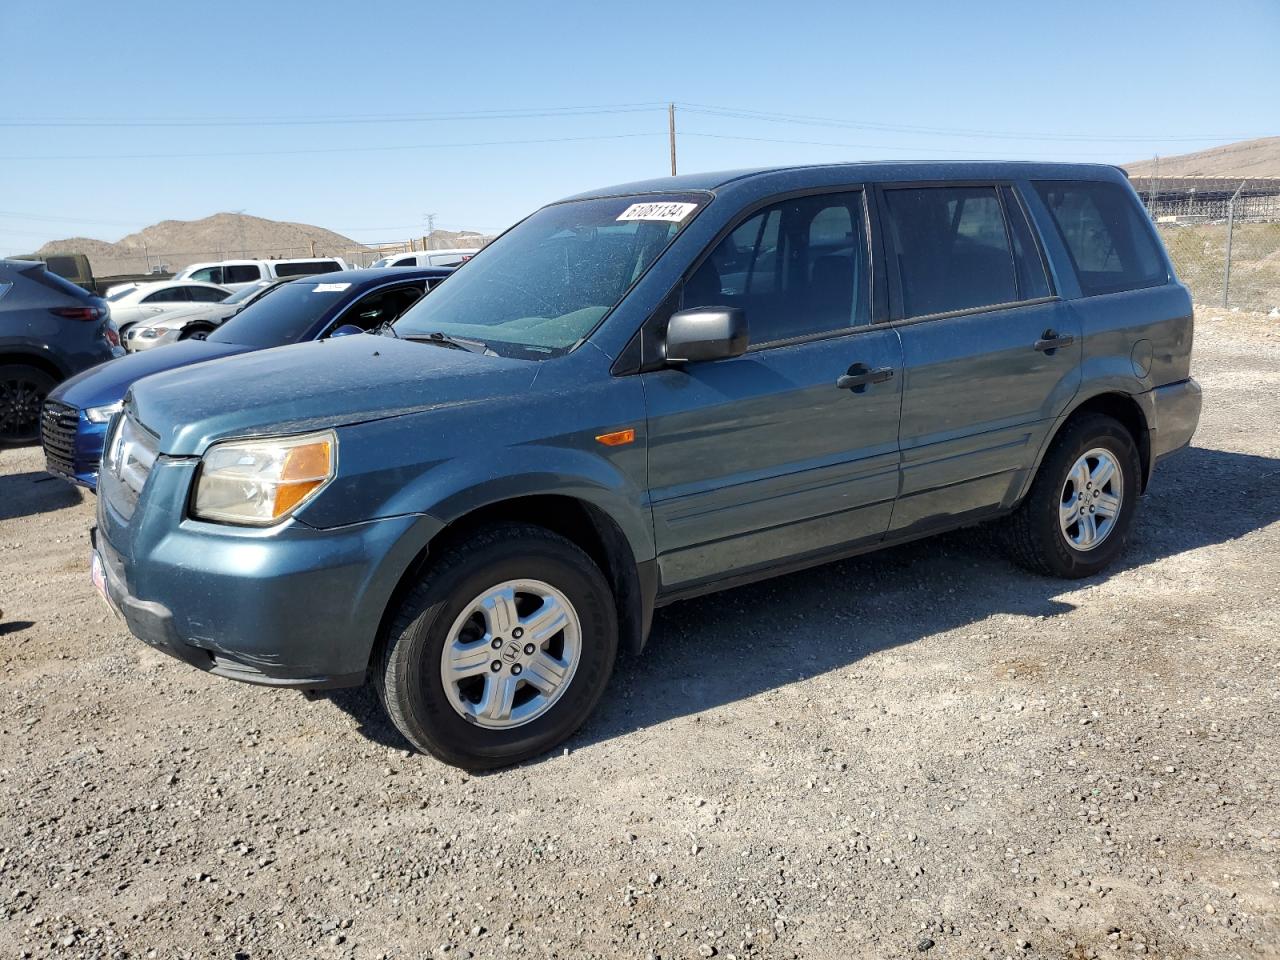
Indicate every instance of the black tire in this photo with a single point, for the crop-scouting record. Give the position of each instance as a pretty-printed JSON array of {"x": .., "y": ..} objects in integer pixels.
[
  {"x": 23, "y": 389},
  {"x": 196, "y": 331},
  {"x": 1034, "y": 535},
  {"x": 408, "y": 668}
]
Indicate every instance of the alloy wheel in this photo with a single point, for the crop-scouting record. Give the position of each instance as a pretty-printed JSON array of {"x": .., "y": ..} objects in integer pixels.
[
  {"x": 511, "y": 653},
  {"x": 1092, "y": 498}
]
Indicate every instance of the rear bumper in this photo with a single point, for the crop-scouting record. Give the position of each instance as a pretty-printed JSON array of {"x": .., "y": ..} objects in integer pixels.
[{"x": 1177, "y": 414}]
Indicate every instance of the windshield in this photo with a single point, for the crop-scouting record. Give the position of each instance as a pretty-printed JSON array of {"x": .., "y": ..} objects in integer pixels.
[
  {"x": 247, "y": 293},
  {"x": 381, "y": 262},
  {"x": 121, "y": 293},
  {"x": 548, "y": 282},
  {"x": 284, "y": 317}
]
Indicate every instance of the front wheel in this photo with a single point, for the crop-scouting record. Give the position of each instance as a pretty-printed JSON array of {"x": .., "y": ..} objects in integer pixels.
[
  {"x": 1076, "y": 518},
  {"x": 501, "y": 650},
  {"x": 196, "y": 331}
]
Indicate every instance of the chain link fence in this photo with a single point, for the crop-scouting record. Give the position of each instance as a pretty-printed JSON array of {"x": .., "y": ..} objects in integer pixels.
[{"x": 1223, "y": 236}]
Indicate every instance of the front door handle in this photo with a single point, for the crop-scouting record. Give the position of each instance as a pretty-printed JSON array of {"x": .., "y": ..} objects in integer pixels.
[
  {"x": 860, "y": 375},
  {"x": 1051, "y": 341}
]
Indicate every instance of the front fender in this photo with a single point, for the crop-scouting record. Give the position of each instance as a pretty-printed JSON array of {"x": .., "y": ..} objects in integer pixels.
[{"x": 448, "y": 462}]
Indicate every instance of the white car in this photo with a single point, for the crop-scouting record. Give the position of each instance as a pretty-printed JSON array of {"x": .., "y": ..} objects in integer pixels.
[
  {"x": 195, "y": 321},
  {"x": 145, "y": 301},
  {"x": 428, "y": 258},
  {"x": 235, "y": 274}
]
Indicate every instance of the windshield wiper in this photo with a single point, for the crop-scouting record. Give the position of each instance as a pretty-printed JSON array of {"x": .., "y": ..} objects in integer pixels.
[
  {"x": 385, "y": 329},
  {"x": 444, "y": 340}
]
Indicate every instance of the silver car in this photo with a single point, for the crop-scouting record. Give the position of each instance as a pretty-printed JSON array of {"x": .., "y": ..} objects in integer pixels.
[{"x": 194, "y": 322}]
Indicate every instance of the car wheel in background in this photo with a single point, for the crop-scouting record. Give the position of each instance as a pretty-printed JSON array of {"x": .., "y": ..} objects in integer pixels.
[
  {"x": 195, "y": 331},
  {"x": 1076, "y": 518},
  {"x": 501, "y": 650},
  {"x": 22, "y": 392}
]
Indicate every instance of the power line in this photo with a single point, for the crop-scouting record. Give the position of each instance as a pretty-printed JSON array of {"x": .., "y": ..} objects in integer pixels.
[
  {"x": 14, "y": 215},
  {"x": 508, "y": 114},
  {"x": 871, "y": 146},
  {"x": 290, "y": 153},
  {"x": 526, "y": 113},
  {"x": 745, "y": 114}
]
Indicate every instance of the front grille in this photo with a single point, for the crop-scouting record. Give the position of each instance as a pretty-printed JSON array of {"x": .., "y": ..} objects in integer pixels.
[
  {"x": 58, "y": 424},
  {"x": 130, "y": 455}
]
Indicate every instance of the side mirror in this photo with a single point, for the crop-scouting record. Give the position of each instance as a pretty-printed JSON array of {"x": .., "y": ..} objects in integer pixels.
[
  {"x": 706, "y": 333},
  {"x": 346, "y": 330}
]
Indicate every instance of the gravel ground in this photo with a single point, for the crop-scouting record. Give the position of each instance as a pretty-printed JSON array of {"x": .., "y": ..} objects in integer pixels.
[{"x": 924, "y": 751}]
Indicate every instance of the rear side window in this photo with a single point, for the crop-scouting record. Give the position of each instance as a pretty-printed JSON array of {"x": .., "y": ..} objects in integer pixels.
[
  {"x": 407, "y": 262},
  {"x": 797, "y": 268},
  {"x": 240, "y": 273},
  {"x": 1107, "y": 236},
  {"x": 208, "y": 275},
  {"x": 206, "y": 295},
  {"x": 951, "y": 249},
  {"x": 63, "y": 266},
  {"x": 1033, "y": 281},
  {"x": 170, "y": 295},
  {"x": 306, "y": 268},
  {"x": 55, "y": 282}
]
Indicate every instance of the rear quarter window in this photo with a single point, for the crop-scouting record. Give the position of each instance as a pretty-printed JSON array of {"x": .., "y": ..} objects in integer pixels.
[
  {"x": 1107, "y": 236},
  {"x": 240, "y": 273},
  {"x": 306, "y": 268}
]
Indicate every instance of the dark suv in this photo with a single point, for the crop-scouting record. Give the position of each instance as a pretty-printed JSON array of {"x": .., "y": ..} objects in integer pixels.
[
  {"x": 641, "y": 394},
  {"x": 50, "y": 329}
]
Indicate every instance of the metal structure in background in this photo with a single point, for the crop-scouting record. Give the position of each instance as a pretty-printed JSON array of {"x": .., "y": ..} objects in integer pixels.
[{"x": 1223, "y": 234}]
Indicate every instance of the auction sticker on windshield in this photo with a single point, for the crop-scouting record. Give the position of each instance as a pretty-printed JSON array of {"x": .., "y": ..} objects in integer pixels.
[
  {"x": 331, "y": 287},
  {"x": 672, "y": 212}
]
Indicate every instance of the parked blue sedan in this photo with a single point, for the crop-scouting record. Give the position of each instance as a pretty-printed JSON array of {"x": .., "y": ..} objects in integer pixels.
[{"x": 74, "y": 421}]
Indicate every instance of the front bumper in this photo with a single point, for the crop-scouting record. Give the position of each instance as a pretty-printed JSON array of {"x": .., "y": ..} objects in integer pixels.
[
  {"x": 293, "y": 606},
  {"x": 1177, "y": 414},
  {"x": 135, "y": 342}
]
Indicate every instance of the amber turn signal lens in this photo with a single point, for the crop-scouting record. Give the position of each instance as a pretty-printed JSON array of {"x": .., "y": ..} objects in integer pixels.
[
  {"x": 306, "y": 463},
  {"x": 618, "y": 438}
]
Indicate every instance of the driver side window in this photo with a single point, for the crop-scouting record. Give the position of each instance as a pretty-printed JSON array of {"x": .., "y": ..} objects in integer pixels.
[
  {"x": 797, "y": 268},
  {"x": 379, "y": 307}
]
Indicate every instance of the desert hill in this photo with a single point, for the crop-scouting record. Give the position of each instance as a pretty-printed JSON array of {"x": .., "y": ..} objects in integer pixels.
[
  {"x": 177, "y": 243},
  {"x": 1246, "y": 158}
]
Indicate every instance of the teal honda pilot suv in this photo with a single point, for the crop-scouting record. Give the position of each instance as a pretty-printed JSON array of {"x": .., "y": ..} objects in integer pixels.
[{"x": 637, "y": 395}]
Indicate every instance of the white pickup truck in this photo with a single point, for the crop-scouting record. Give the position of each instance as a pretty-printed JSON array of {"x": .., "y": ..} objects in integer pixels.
[{"x": 235, "y": 274}]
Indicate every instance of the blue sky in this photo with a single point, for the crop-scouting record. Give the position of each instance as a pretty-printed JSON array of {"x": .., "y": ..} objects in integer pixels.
[{"x": 84, "y": 149}]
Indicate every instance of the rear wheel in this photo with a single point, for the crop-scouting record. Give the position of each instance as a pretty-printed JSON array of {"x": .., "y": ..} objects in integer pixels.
[
  {"x": 22, "y": 392},
  {"x": 501, "y": 650},
  {"x": 1075, "y": 520}
]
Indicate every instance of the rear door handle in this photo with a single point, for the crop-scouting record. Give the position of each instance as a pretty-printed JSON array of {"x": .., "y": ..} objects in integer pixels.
[
  {"x": 1051, "y": 341},
  {"x": 860, "y": 375}
]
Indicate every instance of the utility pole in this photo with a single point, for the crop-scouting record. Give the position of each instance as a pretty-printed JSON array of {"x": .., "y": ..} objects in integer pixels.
[
  {"x": 671, "y": 134},
  {"x": 431, "y": 227},
  {"x": 1231, "y": 222}
]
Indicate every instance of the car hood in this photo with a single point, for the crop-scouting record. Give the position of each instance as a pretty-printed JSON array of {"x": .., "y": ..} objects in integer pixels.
[
  {"x": 312, "y": 386},
  {"x": 108, "y": 382}
]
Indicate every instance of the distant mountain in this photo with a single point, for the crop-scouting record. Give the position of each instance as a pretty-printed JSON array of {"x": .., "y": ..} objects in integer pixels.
[
  {"x": 224, "y": 236},
  {"x": 1247, "y": 158}
]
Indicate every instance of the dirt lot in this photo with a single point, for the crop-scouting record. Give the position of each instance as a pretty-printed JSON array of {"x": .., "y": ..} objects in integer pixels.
[{"x": 925, "y": 751}]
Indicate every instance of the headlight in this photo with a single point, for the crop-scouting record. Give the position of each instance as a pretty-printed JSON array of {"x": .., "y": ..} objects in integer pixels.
[
  {"x": 260, "y": 482},
  {"x": 104, "y": 413},
  {"x": 150, "y": 333}
]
